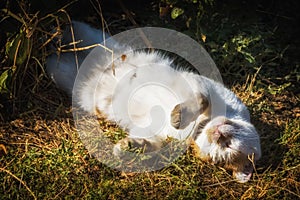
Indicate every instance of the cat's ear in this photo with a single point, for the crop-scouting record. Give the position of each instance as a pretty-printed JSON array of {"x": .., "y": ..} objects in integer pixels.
[{"x": 185, "y": 113}]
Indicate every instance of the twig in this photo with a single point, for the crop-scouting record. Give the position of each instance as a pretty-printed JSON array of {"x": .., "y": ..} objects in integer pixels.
[
  {"x": 103, "y": 22},
  {"x": 16, "y": 53},
  {"x": 219, "y": 183},
  {"x": 129, "y": 15},
  {"x": 12, "y": 15},
  {"x": 22, "y": 182},
  {"x": 276, "y": 15},
  {"x": 73, "y": 37},
  {"x": 89, "y": 47},
  {"x": 50, "y": 39}
]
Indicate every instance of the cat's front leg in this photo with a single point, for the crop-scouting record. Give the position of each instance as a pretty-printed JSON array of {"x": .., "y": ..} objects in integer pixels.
[{"x": 188, "y": 111}]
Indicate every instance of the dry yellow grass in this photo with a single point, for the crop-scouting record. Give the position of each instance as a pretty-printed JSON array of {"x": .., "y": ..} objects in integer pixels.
[{"x": 42, "y": 157}]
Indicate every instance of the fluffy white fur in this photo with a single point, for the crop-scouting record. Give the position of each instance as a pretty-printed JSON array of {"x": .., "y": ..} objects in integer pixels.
[{"x": 150, "y": 99}]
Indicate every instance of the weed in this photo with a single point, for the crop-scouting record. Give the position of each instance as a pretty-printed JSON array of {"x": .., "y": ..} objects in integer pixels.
[{"x": 42, "y": 156}]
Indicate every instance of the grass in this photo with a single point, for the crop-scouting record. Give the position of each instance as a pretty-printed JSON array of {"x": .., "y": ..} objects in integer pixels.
[{"x": 42, "y": 157}]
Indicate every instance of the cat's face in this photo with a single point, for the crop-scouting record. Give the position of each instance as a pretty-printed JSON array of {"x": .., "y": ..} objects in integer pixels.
[{"x": 233, "y": 143}]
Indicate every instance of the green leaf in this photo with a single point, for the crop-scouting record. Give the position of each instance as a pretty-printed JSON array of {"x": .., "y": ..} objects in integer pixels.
[
  {"x": 5, "y": 81},
  {"x": 20, "y": 44},
  {"x": 249, "y": 57},
  {"x": 176, "y": 12}
]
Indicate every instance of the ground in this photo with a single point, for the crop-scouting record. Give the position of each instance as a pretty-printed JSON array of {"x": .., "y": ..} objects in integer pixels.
[{"x": 255, "y": 46}]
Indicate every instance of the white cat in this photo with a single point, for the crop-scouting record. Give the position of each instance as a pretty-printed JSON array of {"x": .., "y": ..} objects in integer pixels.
[{"x": 153, "y": 100}]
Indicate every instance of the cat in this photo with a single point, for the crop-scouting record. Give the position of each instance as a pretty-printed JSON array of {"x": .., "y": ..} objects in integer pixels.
[{"x": 152, "y": 99}]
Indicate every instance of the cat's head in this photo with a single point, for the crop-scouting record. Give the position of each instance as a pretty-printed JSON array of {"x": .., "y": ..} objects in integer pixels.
[{"x": 232, "y": 142}]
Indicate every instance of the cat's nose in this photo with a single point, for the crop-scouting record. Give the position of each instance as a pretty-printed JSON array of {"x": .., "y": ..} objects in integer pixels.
[
  {"x": 220, "y": 133},
  {"x": 223, "y": 130}
]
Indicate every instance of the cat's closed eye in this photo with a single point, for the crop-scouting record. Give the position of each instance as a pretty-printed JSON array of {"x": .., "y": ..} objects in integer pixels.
[{"x": 225, "y": 142}]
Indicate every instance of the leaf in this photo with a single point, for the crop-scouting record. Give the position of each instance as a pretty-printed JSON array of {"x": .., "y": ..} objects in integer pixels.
[
  {"x": 163, "y": 11},
  {"x": 5, "y": 81},
  {"x": 203, "y": 37},
  {"x": 19, "y": 44},
  {"x": 176, "y": 12}
]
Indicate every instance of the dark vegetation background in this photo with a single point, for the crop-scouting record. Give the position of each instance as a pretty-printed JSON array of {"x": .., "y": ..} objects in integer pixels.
[{"x": 255, "y": 44}]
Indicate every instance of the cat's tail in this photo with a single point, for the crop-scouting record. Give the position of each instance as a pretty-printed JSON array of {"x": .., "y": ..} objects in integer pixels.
[{"x": 63, "y": 67}]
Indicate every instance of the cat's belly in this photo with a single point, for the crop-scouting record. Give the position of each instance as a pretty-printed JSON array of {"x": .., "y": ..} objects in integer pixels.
[{"x": 141, "y": 100}]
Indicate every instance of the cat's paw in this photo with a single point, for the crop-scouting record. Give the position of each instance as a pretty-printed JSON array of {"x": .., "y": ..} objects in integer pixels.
[
  {"x": 136, "y": 146},
  {"x": 176, "y": 116},
  {"x": 244, "y": 175},
  {"x": 185, "y": 113}
]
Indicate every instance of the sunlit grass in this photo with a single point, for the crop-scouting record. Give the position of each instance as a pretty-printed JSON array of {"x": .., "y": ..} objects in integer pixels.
[{"x": 42, "y": 156}]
